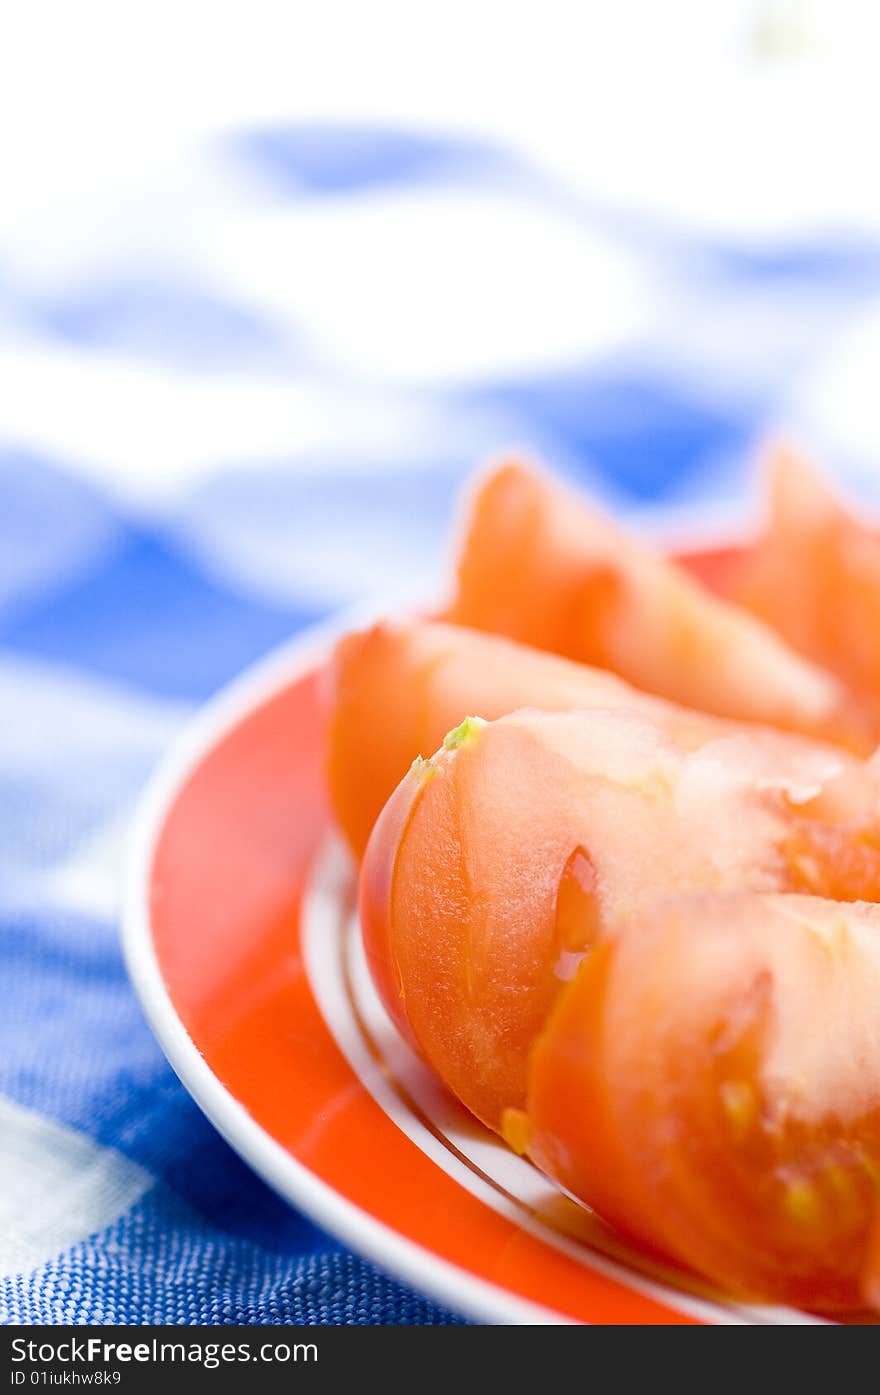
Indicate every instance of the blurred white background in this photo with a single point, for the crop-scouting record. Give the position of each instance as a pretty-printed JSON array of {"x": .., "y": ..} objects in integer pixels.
[
  {"x": 745, "y": 113},
  {"x": 751, "y": 120}
]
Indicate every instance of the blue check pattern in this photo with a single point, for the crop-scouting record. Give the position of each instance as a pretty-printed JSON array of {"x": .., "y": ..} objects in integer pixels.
[{"x": 213, "y": 450}]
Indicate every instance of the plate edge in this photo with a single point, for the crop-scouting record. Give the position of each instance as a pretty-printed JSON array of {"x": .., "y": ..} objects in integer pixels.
[{"x": 450, "y": 1285}]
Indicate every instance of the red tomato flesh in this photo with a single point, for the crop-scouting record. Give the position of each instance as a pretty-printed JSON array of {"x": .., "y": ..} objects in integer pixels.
[
  {"x": 495, "y": 865},
  {"x": 539, "y": 564},
  {"x": 394, "y": 691},
  {"x": 710, "y": 1082}
]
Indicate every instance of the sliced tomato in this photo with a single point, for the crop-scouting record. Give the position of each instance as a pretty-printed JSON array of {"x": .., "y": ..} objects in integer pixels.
[
  {"x": 540, "y": 565},
  {"x": 497, "y": 864},
  {"x": 393, "y": 692},
  {"x": 710, "y": 1083},
  {"x": 814, "y": 575}
]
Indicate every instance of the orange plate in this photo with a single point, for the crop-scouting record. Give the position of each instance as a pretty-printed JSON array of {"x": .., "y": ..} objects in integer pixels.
[{"x": 242, "y": 945}]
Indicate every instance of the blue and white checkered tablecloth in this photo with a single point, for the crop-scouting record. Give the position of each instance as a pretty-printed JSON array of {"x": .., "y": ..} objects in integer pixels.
[{"x": 210, "y": 439}]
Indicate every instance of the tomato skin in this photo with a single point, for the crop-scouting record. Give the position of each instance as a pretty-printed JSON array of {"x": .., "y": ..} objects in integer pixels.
[
  {"x": 375, "y": 888},
  {"x": 679, "y": 1089},
  {"x": 589, "y": 924},
  {"x": 461, "y": 934},
  {"x": 540, "y": 565},
  {"x": 574, "y": 918},
  {"x": 814, "y": 575},
  {"x": 498, "y": 863},
  {"x": 372, "y": 734},
  {"x": 394, "y": 691}
]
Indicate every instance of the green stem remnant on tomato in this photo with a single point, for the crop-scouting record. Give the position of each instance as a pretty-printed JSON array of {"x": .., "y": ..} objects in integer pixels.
[{"x": 464, "y": 734}]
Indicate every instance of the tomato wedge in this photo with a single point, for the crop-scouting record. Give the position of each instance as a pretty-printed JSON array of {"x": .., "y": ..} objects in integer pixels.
[
  {"x": 540, "y": 565},
  {"x": 393, "y": 691},
  {"x": 814, "y": 575},
  {"x": 710, "y": 1083},
  {"x": 500, "y": 862}
]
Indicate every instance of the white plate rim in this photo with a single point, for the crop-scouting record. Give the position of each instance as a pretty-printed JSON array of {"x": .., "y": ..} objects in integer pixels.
[{"x": 451, "y": 1286}]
